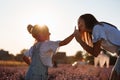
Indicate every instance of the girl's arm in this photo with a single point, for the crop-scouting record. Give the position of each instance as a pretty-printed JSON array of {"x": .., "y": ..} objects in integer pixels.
[
  {"x": 27, "y": 60},
  {"x": 67, "y": 40},
  {"x": 95, "y": 50}
]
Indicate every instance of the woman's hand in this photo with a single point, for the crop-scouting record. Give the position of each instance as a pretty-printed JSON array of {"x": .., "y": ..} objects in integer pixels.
[{"x": 77, "y": 35}]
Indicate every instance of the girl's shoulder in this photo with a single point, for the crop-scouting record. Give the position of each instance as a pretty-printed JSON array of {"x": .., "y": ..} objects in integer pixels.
[
  {"x": 50, "y": 41},
  {"x": 47, "y": 43}
]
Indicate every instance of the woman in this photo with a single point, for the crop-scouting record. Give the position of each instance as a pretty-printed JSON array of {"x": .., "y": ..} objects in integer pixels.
[{"x": 94, "y": 36}]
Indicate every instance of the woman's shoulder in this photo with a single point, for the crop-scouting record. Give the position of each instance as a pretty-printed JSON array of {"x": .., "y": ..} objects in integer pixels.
[
  {"x": 104, "y": 25},
  {"x": 108, "y": 25},
  {"x": 98, "y": 27}
]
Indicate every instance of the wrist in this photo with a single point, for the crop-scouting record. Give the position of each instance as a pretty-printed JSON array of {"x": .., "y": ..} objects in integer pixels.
[{"x": 72, "y": 35}]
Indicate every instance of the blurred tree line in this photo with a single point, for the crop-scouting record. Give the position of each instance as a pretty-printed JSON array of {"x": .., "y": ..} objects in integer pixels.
[
  {"x": 60, "y": 57},
  {"x": 90, "y": 59},
  {"x": 5, "y": 55}
]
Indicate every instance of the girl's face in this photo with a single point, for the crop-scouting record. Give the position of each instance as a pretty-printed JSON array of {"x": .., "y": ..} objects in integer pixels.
[
  {"x": 81, "y": 25},
  {"x": 46, "y": 36}
]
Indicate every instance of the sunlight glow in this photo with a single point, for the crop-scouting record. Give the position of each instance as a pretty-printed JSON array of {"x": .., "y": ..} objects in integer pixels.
[{"x": 58, "y": 15}]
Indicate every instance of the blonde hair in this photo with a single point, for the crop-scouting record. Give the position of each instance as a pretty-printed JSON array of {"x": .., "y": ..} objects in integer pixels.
[{"x": 37, "y": 30}]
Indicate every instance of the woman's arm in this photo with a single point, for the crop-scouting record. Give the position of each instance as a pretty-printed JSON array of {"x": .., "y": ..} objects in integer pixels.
[
  {"x": 67, "y": 40},
  {"x": 95, "y": 50},
  {"x": 27, "y": 60}
]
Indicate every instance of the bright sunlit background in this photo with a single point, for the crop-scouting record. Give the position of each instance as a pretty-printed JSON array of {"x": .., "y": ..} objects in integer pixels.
[{"x": 59, "y": 15}]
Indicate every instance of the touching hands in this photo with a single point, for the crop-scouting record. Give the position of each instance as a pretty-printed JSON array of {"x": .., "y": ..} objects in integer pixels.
[{"x": 77, "y": 34}]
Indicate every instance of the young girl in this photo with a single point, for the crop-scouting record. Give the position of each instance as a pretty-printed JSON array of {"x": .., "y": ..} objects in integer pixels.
[
  {"x": 94, "y": 36},
  {"x": 41, "y": 52}
]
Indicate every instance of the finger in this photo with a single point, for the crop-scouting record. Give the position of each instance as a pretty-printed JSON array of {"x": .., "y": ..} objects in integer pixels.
[{"x": 75, "y": 28}]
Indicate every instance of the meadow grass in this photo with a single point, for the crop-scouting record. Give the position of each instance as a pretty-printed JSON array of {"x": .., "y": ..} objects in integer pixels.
[{"x": 12, "y": 63}]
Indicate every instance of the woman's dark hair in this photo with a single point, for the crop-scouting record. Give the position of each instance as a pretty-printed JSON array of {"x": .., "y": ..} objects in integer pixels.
[
  {"x": 89, "y": 19},
  {"x": 90, "y": 22}
]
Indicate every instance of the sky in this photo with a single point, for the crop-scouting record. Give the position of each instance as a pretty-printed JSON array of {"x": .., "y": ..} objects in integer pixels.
[{"x": 59, "y": 15}]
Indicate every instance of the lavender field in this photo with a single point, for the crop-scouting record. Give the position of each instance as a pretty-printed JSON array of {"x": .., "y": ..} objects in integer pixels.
[{"x": 62, "y": 72}]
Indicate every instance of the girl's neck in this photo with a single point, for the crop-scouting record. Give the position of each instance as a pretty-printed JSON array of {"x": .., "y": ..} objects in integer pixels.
[{"x": 41, "y": 40}]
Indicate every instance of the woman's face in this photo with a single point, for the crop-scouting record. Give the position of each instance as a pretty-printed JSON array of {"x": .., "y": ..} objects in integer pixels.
[{"x": 81, "y": 25}]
